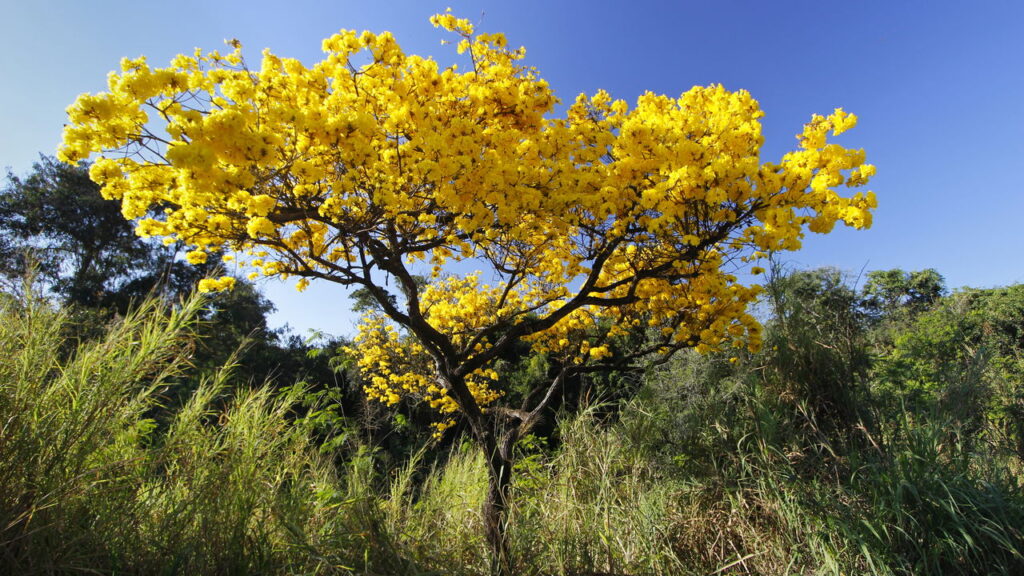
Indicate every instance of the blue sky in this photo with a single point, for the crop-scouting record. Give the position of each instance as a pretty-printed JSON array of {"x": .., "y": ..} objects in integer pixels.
[{"x": 938, "y": 87}]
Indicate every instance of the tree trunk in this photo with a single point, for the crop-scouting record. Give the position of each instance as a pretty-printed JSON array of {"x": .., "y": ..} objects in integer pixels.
[
  {"x": 499, "y": 456},
  {"x": 497, "y": 433}
]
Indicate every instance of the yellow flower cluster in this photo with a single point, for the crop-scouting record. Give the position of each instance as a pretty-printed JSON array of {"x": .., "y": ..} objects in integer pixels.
[
  {"x": 375, "y": 156},
  {"x": 396, "y": 365},
  {"x": 216, "y": 285}
]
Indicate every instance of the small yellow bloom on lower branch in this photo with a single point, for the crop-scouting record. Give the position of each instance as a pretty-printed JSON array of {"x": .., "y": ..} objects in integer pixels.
[{"x": 219, "y": 285}]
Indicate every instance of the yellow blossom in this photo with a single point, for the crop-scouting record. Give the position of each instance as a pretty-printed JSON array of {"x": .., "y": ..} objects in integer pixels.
[{"x": 375, "y": 164}]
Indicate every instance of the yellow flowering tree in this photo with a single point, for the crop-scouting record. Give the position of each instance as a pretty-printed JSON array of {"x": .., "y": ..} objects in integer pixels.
[{"x": 373, "y": 165}]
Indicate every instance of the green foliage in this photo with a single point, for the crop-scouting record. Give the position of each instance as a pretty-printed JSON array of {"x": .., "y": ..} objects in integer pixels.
[
  {"x": 72, "y": 429},
  {"x": 595, "y": 506},
  {"x": 723, "y": 465},
  {"x": 56, "y": 227},
  {"x": 238, "y": 319},
  {"x": 55, "y": 223},
  {"x": 928, "y": 511},
  {"x": 90, "y": 483},
  {"x": 814, "y": 345},
  {"x": 963, "y": 358},
  {"x": 889, "y": 292}
]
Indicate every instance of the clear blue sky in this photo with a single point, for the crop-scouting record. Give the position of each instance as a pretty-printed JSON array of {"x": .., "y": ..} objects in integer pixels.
[{"x": 938, "y": 87}]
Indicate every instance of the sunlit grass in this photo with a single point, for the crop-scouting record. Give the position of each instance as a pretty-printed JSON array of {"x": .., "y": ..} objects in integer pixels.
[{"x": 710, "y": 470}]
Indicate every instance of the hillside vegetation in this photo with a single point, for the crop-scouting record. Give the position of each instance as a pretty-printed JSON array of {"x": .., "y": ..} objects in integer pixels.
[{"x": 878, "y": 431}]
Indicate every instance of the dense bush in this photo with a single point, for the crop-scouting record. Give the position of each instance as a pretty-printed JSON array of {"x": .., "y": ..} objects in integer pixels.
[{"x": 853, "y": 443}]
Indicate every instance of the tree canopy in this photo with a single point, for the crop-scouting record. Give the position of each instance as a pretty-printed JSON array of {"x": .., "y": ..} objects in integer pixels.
[
  {"x": 887, "y": 291},
  {"x": 345, "y": 171},
  {"x": 373, "y": 165},
  {"x": 55, "y": 221}
]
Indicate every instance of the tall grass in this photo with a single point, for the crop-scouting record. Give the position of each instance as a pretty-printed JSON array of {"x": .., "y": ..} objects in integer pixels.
[
  {"x": 595, "y": 506},
  {"x": 929, "y": 510},
  {"x": 710, "y": 470},
  {"x": 230, "y": 484},
  {"x": 72, "y": 428}
]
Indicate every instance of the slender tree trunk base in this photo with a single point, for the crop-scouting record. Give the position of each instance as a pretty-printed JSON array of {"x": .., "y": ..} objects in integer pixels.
[{"x": 495, "y": 509}]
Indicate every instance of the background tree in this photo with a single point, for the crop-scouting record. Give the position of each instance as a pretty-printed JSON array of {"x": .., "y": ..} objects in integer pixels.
[
  {"x": 373, "y": 166},
  {"x": 56, "y": 221},
  {"x": 888, "y": 292},
  {"x": 78, "y": 241},
  {"x": 234, "y": 327},
  {"x": 962, "y": 358}
]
